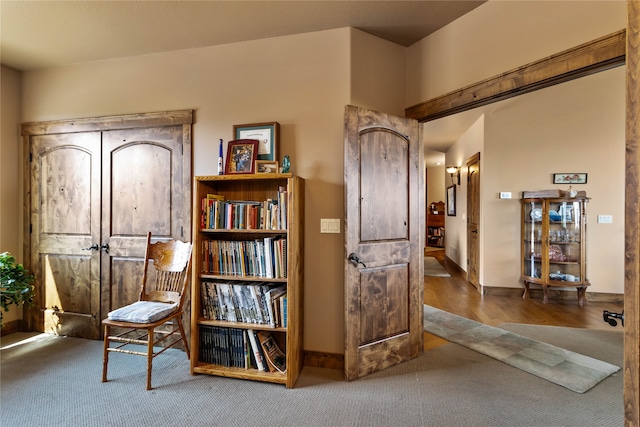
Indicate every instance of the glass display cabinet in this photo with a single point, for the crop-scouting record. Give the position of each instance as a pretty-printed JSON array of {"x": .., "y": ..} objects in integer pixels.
[{"x": 554, "y": 241}]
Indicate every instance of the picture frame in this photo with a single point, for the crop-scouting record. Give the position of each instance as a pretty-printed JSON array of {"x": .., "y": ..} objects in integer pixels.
[
  {"x": 266, "y": 166},
  {"x": 569, "y": 178},
  {"x": 241, "y": 156},
  {"x": 451, "y": 200},
  {"x": 267, "y": 133}
]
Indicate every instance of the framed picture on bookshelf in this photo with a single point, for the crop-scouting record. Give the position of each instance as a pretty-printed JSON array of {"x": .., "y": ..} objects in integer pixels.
[
  {"x": 451, "y": 200},
  {"x": 241, "y": 156},
  {"x": 266, "y": 166},
  {"x": 267, "y": 133}
]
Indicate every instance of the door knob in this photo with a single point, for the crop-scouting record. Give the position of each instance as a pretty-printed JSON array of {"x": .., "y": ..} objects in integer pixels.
[
  {"x": 105, "y": 248},
  {"x": 93, "y": 247},
  {"x": 353, "y": 259}
]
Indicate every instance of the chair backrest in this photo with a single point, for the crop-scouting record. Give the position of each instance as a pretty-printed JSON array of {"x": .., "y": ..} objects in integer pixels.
[{"x": 166, "y": 271}]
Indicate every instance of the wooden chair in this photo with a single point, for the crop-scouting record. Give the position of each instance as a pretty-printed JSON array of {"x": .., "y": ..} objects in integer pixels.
[{"x": 162, "y": 295}]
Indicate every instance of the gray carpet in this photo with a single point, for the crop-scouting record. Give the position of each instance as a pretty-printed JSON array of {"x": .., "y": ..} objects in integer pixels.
[
  {"x": 55, "y": 381},
  {"x": 433, "y": 268},
  {"x": 574, "y": 371}
]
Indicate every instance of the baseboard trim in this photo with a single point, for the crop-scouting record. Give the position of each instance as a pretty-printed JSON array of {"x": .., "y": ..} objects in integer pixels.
[
  {"x": 451, "y": 264},
  {"x": 319, "y": 359},
  {"x": 11, "y": 327},
  {"x": 554, "y": 294}
]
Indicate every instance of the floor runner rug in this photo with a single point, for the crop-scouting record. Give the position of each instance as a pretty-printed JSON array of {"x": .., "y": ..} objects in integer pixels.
[
  {"x": 573, "y": 371},
  {"x": 433, "y": 268}
]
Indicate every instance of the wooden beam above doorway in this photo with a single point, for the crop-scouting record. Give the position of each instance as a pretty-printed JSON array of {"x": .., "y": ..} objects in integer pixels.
[{"x": 592, "y": 57}]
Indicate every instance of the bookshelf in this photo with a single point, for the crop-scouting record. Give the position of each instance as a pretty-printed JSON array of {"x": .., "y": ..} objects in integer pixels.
[
  {"x": 235, "y": 289},
  {"x": 435, "y": 225}
]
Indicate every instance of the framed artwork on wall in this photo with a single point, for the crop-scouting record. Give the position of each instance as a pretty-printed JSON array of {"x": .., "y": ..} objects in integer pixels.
[
  {"x": 267, "y": 133},
  {"x": 451, "y": 200},
  {"x": 241, "y": 156},
  {"x": 569, "y": 178}
]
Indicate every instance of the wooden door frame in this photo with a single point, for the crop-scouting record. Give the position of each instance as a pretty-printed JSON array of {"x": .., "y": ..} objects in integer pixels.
[
  {"x": 129, "y": 121},
  {"x": 598, "y": 55},
  {"x": 471, "y": 161}
]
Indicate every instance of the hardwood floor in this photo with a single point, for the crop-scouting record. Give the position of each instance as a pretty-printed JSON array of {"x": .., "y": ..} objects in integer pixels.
[{"x": 455, "y": 295}]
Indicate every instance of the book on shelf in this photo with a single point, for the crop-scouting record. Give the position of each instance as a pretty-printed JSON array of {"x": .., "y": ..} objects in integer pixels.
[
  {"x": 223, "y": 346},
  {"x": 257, "y": 351},
  {"x": 261, "y": 303},
  {"x": 283, "y": 200},
  {"x": 276, "y": 359},
  {"x": 272, "y": 296},
  {"x": 210, "y": 205},
  {"x": 227, "y": 305},
  {"x": 266, "y": 257},
  {"x": 270, "y": 214},
  {"x": 283, "y": 310}
]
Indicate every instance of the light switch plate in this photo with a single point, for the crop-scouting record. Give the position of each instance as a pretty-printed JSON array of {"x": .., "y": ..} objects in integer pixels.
[
  {"x": 605, "y": 219},
  {"x": 329, "y": 225}
]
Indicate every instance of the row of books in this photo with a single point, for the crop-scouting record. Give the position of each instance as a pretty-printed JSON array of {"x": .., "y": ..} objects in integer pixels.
[
  {"x": 265, "y": 257},
  {"x": 270, "y": 214},
  {"x": 241, "y": 348},
  {"x": 247, "y": 302}
]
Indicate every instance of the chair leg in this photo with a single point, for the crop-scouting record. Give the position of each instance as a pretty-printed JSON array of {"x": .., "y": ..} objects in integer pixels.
[
  {"x": 184, "y": 337},
  {"x": 150, "y": 338},
  {"x": 105, "y": 355}
]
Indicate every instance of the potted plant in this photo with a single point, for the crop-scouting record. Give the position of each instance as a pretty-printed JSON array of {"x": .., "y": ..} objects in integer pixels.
[{"x": 15, "y": 284}]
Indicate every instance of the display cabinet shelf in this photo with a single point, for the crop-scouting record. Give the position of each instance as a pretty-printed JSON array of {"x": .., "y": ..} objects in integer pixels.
[{"x": 554, "y": 242}]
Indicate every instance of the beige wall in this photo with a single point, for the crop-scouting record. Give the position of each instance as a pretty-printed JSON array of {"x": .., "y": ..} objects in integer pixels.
[
  {"x": 378, "y": 73},
  {"x": 302, "y": 81},
  {"x": 501, "y": 35},
  {"x": 470, "y": 143},
  {"x": 573, "y": 126},
  {"x": 437, "y": 179},
  {"x": 10, "y": 185}
]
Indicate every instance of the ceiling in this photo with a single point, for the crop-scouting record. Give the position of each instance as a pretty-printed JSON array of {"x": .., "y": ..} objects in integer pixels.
[{"x": 45, "y": 34}]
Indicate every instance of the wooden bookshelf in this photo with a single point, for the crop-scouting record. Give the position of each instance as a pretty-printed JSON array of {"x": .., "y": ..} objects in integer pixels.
[
  {"x": 435, "y": 225},
  {"x": 247, "y": 188}
]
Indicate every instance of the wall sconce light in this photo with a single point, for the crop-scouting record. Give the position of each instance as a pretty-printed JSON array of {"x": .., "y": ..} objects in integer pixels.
[{"x": 454, "y": 171}]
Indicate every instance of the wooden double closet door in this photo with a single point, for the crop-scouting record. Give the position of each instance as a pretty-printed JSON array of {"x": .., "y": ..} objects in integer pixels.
[{"x": 93, "y": 189}]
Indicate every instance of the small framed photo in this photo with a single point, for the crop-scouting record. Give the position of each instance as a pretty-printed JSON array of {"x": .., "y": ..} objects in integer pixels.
[
  {"x": 569, "y": 178},
  {"x": 267, "y": 133},
  {"x": 451, "y": 200},
  {"x": 241, "y": 156},
  {"x": 266, "y": 166}
]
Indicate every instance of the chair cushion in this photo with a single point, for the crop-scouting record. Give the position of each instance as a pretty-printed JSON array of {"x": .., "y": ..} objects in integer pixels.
[{"x": 142, "y": 312}]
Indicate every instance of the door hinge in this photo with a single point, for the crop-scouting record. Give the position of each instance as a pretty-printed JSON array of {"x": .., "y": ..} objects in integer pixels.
[
  {"x": 30, "y": 157},
  {"x": 30, "y": 228},
  {"x": 182, "y": 232}
]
